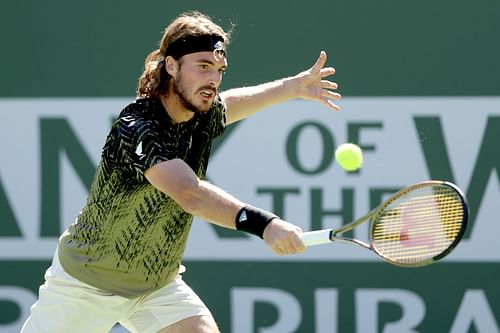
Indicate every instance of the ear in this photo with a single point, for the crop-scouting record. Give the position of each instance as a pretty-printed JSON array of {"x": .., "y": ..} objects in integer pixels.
[{"x": 171, "y": 66}]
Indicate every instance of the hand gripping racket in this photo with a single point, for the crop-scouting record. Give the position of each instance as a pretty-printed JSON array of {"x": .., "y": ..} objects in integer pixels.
[{"x": 417, "y": 226}]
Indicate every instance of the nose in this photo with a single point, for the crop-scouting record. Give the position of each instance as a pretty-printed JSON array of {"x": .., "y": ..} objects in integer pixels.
[{"x": 215, "y": 79}]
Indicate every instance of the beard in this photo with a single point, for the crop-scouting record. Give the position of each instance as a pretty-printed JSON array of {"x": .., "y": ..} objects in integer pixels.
[{"x": 186, "y": 101}]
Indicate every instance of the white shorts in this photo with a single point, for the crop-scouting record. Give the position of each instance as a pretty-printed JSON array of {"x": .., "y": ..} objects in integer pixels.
[{"x": 66, "y": 304}]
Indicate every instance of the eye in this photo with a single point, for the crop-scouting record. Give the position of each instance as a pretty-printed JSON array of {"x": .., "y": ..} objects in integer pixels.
[
  {"x": 222, "y": 71},
  {"x": 203, "y": 66}
]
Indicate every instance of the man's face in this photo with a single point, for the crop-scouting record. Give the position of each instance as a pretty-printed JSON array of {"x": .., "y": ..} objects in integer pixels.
[{"x": 198, "y": 79}]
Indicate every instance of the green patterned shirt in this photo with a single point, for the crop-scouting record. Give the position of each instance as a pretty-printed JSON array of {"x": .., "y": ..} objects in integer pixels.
[{"x": 129, "y": 238}]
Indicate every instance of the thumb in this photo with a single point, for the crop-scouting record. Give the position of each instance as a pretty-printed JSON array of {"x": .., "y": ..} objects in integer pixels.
[{"x": 320, "y": 63}]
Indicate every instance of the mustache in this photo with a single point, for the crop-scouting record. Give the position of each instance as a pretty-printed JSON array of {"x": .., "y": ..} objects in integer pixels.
[{"x": 210, "y": 88}]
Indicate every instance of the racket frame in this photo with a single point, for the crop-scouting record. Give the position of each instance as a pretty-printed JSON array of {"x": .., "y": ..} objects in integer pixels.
[{"x": 333, "y": 235}]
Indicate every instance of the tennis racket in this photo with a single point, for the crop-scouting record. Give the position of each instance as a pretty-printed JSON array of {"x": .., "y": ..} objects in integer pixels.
[{"x": 417, "y": 226}]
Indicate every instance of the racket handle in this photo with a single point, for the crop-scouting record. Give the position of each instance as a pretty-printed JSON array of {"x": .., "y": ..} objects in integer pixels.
[{"x": 317, "y": 237}]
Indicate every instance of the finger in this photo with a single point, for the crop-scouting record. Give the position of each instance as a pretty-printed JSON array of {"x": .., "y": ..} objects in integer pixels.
[
  {"x": 282, "y": 248},
  {"x": 287, "y": 250},
  {"x": 325, "y": 84},
  {"x": 279, "y": 247},
  {"x": 297, "y": 240},
  {"x": 279, "y": 250},
  {"x": 293, "y": 249},
  {"x": 331, "y": 105},
  {"x": 327, "y": 71},
  {"x": 316, "y": 68},
  {"x": 294, "y": 242},
  {"x": 298, "y": 245},
  {"x": 330, "y": 95}
]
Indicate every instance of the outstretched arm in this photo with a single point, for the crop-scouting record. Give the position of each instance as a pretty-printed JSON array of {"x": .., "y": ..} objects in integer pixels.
[
  {"x": 309, "y": 85},
  {"x": 205, "y": 200}
]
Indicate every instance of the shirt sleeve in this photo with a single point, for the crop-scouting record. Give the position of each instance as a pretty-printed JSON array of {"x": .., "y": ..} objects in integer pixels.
[{"x": 138, "y": 143}]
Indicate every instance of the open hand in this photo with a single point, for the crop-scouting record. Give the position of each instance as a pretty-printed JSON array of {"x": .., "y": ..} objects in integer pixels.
[{"x": 312, "y": 86}]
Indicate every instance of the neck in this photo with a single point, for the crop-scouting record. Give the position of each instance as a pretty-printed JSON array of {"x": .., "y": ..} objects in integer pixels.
[{"x": 175, "y": 109}]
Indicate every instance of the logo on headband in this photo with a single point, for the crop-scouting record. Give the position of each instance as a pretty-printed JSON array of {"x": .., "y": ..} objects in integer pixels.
[
  {"x": 219, "y": 50},
  {"x": 219, "y": 46}
]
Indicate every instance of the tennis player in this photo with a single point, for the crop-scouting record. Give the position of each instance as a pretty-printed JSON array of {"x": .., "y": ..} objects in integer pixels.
[{"x": 120, "y": 261}]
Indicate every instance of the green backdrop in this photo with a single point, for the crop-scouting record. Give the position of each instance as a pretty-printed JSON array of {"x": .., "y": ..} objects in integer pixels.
[{"x": 385, "y": 47}]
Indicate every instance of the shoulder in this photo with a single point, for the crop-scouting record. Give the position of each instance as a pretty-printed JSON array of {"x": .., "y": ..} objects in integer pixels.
[
  {"x": 138, "y": 116},
  {"x": 136, "y": 121},
  {"x": 143, "y": 108}
]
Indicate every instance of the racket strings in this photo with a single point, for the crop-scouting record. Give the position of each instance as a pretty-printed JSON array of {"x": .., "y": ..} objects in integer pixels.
[{"x": 419, "y": 225}]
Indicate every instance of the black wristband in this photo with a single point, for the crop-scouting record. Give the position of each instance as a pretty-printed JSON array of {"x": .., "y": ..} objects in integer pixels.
[{"x": 253, "y": 220}]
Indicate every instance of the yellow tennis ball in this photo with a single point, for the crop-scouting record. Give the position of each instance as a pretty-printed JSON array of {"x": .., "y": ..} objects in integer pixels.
[{"x": 349, "y": 156}]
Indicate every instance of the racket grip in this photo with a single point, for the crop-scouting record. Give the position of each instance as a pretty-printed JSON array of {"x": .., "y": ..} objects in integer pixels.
[{"x": 317, "y": 237}]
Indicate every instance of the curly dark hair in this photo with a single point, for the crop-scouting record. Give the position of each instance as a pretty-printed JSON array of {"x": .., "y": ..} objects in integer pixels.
[{"x": 153, "y": 82}]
